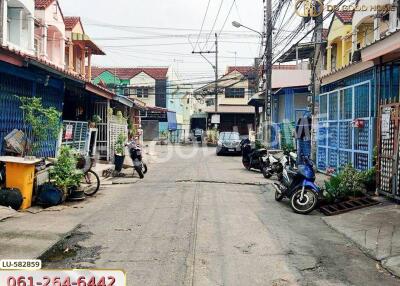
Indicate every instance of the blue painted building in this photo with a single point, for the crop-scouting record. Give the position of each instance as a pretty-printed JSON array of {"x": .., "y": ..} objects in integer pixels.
[
  {"x": 347, "y": 122},
  {"x": 23, "y": 78}
]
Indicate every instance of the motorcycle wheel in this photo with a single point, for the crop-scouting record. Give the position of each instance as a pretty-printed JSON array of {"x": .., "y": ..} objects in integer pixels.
[
  {"x": 278, "y": 196},
  {"x": 307, "y": 204},
  {"x": 140, "y": 172},
  {"x": 267, "y": 174},
  {"x": 144, "y": 168}
]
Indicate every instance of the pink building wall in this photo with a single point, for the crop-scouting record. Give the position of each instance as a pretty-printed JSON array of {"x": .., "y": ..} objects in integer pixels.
[{"x": 50, "y": 34}]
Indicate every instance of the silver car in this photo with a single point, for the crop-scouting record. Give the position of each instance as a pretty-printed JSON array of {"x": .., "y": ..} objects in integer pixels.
[{"x": 228, "y": 142}]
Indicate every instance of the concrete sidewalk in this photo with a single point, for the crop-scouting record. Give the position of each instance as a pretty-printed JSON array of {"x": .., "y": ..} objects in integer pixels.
[{"x": 375, "y": 230}]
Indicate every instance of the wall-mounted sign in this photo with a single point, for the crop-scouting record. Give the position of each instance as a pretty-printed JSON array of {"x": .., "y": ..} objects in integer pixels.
[
  {"x": 385, "y": 125},
  {"x": 215, "y": 119},
  {"x": 69, "y": 129}
]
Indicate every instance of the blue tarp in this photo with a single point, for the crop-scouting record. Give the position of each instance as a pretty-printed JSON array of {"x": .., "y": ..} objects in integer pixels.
[{"x": 172, "y": 124}]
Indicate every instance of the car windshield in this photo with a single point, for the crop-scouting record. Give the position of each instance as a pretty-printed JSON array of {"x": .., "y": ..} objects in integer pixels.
[{"x": 229, "y": 136}]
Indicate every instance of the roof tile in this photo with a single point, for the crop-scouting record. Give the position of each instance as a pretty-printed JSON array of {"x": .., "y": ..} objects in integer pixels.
[
  {"x": 128, "y": 73},
  {"x": 70, "y": 22},
  {"x": 345, "y": 16},
  {"x": 43, "y": 4}
]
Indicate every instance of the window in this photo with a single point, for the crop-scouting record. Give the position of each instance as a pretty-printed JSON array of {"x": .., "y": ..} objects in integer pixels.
[
  {"x": 234, "y": 93},
  {"x": 129, "y": 91},
  {"x": 142, "y": 92}
]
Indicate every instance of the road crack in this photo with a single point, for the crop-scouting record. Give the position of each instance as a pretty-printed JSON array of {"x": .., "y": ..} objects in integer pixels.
[{"x": 220, "y": 182}]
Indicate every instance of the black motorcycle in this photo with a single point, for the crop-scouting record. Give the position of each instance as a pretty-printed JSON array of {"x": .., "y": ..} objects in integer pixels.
[
  {"x": 252, "y": 158},
  {"x": 135, "y": 153}
]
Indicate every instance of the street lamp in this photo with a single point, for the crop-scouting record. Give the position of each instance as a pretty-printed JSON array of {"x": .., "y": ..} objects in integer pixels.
[
  {"x": 238, "y": 25},
  {"x": 267, "y": 90}
]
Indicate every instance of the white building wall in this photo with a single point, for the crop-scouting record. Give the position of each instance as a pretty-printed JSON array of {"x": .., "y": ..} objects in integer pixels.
[
  {"x": 144, "y": 80},
  {"x": 19, "y": 32}
]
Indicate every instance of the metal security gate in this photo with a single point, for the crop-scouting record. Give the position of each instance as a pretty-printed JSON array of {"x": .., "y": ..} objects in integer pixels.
[
  {"x": 389, "y": 149},
  {"x": 103, "y": 146},
  {"x": 339, "y": 141},
  {"x": 115, "y": 130},
  {"x": 75, "y": 135}
]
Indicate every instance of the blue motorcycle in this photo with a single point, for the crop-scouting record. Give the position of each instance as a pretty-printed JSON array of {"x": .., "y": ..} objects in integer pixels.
[{"x": 299, "y": 186}]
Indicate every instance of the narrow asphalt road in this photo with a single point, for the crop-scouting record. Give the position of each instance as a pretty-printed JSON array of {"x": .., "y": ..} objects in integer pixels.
[{"x": 199, "y": 219}]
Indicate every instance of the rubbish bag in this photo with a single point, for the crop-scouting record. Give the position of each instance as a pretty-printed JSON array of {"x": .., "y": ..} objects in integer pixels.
[
  {"x": 49, "y": 195},
  {"x": 11, "y": 198}
]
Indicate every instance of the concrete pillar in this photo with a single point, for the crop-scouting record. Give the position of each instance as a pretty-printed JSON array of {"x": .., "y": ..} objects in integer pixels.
[
  {"x": 31, "y": 33},
  {"x": 83, "y": 59},
  {"x": 377, "y": 33},
  {"x": 89, "y": 73},
  {"x": 70, "y": 56},
  {"x": 354, "y": 40},
  {"x": 62, "y": 51},
  {"x": 393, "y": 17},
  {"x": 329, "y": 58},
  {"x": 43, "y": 44},
  {"x": 343, "y": 58}
]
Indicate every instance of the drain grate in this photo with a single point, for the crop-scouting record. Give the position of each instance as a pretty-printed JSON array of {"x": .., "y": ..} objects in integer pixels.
[{"x": 343, "y": 207}]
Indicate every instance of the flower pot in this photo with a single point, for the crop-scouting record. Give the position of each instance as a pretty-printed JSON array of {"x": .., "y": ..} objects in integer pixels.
[
  {"x": 118, "y": 162},
  {"x": 76, "y": 194}
]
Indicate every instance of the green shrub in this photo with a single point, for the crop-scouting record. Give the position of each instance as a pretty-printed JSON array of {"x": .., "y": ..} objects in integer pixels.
[
  {"x": 119, "y": 147},
  {"x": 65, "y": 175},
  {"x": 348, "y": 182},
  {"x": 369, "y": 179}
]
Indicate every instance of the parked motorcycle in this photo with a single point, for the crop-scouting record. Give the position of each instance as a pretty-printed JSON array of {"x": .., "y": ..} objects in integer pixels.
[
  {"x": 299, "y": 186},
  {"x": 135, "y": 153},
  {"x": 252, "y": 158},
  {"x": 274, "y": 163}
]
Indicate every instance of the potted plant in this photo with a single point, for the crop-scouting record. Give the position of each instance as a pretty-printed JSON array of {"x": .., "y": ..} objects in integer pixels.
[
  {"x": 119, "y": 149},
  {"x": 45, "y": 122},
  {"x": 64, "y": 174},
  {"x": 95, "y": 120}
]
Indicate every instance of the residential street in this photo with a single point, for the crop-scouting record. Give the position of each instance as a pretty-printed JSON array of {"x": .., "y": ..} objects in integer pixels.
[{"x": 199, "y": 219}]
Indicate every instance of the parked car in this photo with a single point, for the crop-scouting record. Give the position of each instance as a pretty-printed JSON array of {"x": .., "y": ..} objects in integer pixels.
[{"x": 228, "y": 142}]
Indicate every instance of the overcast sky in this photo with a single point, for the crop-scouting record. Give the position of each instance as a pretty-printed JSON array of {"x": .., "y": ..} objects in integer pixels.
[{"x": 157, "y": 32}]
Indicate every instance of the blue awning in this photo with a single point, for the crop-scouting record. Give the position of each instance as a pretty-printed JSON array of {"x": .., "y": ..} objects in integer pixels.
[{"x": 172, "y": 124}]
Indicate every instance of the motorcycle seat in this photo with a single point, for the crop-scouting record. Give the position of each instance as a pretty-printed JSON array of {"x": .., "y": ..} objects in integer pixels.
[
  {"x": 278, "y": 156},
  {"x": 260, "y": 151}
]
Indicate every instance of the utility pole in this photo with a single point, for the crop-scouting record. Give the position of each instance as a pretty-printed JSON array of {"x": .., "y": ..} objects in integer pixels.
[
  {"x": 216, "y": 73},
  {"x": 316, "y": 73},
  {"x": 268, "y": 72},
  {"x": 215, "y": 67}
]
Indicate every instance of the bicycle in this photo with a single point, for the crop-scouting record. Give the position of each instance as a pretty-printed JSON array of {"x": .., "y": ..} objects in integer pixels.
[{"x": 90, "y": 183}]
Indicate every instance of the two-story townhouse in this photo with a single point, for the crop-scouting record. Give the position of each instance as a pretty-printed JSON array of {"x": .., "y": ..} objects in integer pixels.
[
  {"x": 149, "y": 85},
  {"x": 50, "y": 32},
  {"x": 340, "y": 40},
  {"x": 232, "y": 112},
  {"x": 364, "y": 72},
  {"x": 17, "y": 25}
]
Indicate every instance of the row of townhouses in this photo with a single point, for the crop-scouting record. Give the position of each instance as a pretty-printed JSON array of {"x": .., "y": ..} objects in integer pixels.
[
  {"x": 46, "y": 54},
  {"x": 357, "y": 110}
]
